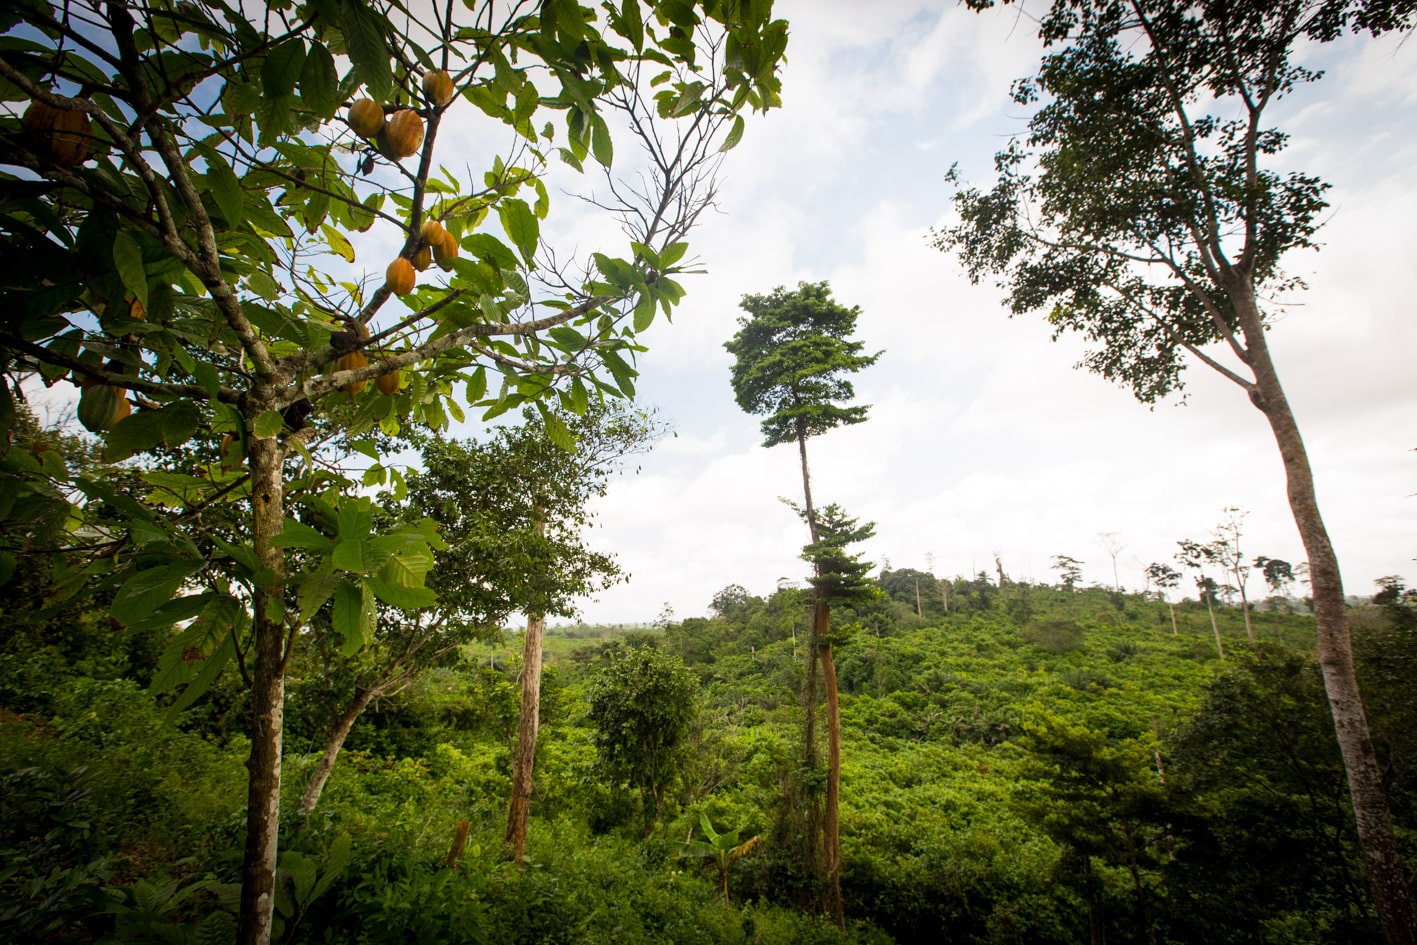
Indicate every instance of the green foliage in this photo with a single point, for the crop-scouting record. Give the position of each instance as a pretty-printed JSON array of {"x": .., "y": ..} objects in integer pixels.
[
  {"x": 641, "y": 702},
  {"x": 793, "y": 356}
]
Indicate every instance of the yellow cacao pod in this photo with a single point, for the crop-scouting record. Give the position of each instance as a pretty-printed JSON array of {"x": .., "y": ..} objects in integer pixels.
[
  {"x": 366, "y": 117},
  {"x": 438, "y": 87},
  {"x": 388, "y": 383},
  {"x": 404, "y": 133},
  {"x": 353, "y": 362},
  {"x": 400, "y": 276}
]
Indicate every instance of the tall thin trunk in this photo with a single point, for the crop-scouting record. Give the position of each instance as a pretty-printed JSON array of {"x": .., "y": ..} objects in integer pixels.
[
  {"x": 919, "y": 612},
  {"x": 1174, "y": 630},
  {"x": 1210, "y": 609},
  {"x": 520, "y": 807},
  {"x": 831, "y": 829},
  {"x": 1392, "y": 897},
  {"x": 1245, "y": 607},
  {"x": 340, "y": 732},
  {"x": 806, "y": 480},
  {"x": 258, "y": 865}
]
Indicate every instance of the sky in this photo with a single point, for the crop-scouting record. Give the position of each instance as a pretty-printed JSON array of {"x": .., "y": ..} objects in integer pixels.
[{"x": 983, "y": 439}]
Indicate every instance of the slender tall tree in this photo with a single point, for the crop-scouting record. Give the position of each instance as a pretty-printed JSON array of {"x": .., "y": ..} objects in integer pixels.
[
  {"x": 794, "y": 358},
  {"x": 1143, "y": 210}
]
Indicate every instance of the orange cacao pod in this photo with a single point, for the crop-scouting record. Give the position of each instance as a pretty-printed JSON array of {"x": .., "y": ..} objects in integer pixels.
[
  {"x": 388, "y": 383},
  {"x": 405, "y": 133},
  {"x": 400, "y": 276},
  {"x": 446, "y": 251},
  {"x": 423, "y": 258},
  {"x": 366, "y": 117},
  {"x": 438, "y": 87},
  {"x": 353, "y": 362}
]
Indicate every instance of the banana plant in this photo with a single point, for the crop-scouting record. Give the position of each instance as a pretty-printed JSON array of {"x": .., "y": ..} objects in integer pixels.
[{"x": 721, "y": 848}]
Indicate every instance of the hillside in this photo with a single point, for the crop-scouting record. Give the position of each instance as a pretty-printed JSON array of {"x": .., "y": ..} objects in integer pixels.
[{"x": 1038, "y": 764}]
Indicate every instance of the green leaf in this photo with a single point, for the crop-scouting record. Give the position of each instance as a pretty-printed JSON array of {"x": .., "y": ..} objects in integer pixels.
[
  {"x": 128, "y": 258},
  {"x": 268, "y": 424},
  {"x": 136, "y": 433},
  {"x": 296, "y": 534},
  {"x": 521, "y": 225},
  {"x": 347, "y": 616},
  {"x": 601, "y": 144},
  {"x": 404, "y": 598},
  {"x": 226, "y": 189},
  {"x": 735, "y": 134},
  {"x": 148, "y": 590},
  {"x": 281, "y": 70},
  {"x": 211, "y": 669},
  {"x": 365, "y": 40},
  {"x": 338, "y": 243},
  {"x": 488, "y": 247},
  {"x": 349, "y": 555},
  {"x": 319, "y": 82}
]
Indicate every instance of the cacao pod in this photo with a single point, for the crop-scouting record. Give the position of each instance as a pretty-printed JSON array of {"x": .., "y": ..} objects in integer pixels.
[
  {"x": 433, "y": 232},
  {"x": 58, "y": 135},
  {"x": 353, "y": 362},
  {"x": 446, "y": 251},
  {"x": 438, "y": 87},
  {"x": 404, "y": 133},
  {"x": 400, "y": 277},
  {"x": 388, "y": 384},
  {"x": 423, "y": 259},
  {"x": 101, "y": 406},
  {"x": 366, "y": 117}
]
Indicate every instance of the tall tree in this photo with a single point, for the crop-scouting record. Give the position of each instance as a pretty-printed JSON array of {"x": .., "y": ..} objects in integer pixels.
[
  {"x": 1143, "y": 210},
  {"x": 187, "y": 205},
  {"x": 793, "y": 360},
  {"x": 1196, "y": 557},
  {"x": 1232, "y": 559},
  {"x": 1165, "y": 578},
  {"x": 553, "y": 491}
]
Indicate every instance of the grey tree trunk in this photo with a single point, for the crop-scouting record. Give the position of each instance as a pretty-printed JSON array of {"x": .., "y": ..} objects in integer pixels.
[
  {"x": 343, "y": 726},
  {"x": 520, "y": 807},
  {"x": 1392, "y": 897},
  {"x": 258, "y": 865},
  {"x": 1210, "y": 609}
]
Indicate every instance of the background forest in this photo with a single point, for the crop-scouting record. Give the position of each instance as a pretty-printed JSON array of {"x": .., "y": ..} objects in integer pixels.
[{"x": 1037, "y": 762}]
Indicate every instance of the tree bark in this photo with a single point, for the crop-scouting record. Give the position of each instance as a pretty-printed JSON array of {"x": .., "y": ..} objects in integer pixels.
[
  {"x": 258, "y": 866},
  {"x": 1392, "y": 897},
  {"x": 343, "y": 725},
  {"x": 1210, "y": 609},
  {"x": 831, "y": 829},
  {"x": 520, "y": 807}
]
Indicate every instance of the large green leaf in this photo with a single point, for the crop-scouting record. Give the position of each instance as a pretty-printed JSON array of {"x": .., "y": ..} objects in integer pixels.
[
  {"x": 148, "y": 590},
  {"x": 521, "y": 225},
  {"x": 366, "y": 41}
]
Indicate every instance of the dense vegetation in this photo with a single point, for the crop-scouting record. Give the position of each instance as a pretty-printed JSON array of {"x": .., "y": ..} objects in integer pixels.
[{"x": 1039, "y": 764}]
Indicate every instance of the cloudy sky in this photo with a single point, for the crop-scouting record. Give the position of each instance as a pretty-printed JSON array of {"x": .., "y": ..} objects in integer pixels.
[{"x": 983, "y": 439}]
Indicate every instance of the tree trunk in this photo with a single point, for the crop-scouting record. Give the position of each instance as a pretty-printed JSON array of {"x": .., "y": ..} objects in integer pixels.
[
  {"x": 1392, "y": 898},
  {"x": 1245, "y": 607},
  {"x": 806, "y": 481},
  {"x": 343, "y": 725},
  {"x": 258, "y": 865},
  {"x": 831, "y": 821},
  {"x": 1174, "y": 630},
  {"x": 520, "y": 807},
  {"x": 1210, "y": 609}
]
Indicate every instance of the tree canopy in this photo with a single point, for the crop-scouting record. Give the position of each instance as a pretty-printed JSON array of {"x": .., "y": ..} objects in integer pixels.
[{"x": 794, "y": 357}]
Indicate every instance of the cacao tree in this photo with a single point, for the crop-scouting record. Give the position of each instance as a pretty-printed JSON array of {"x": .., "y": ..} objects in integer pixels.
[{"x": 226, "y": 217}]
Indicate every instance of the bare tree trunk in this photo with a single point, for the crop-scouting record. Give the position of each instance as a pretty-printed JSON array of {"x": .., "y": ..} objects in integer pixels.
[
  {"x": 1210, "y": 609},
  {"x": 1392, "y": 898},
  {"x": 1174, "y": 630},
  {"x": 258, "y": 865},
  {"x": 520, "y": 808},
  {"x": 1245, "y": 607},
  {"x": 343, "y": 725},
  {"x": 944, "y": 595},
  {"x": 831, "y": 828},
  {"x": 919, "y": 612}
]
